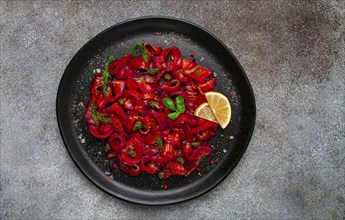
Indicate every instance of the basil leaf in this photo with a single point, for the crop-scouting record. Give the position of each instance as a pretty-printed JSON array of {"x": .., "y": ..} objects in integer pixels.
[
  {"x": 173, "y": 115},
  {"x": 169, "y": 103},
  {"x": 180, "y": 104}
]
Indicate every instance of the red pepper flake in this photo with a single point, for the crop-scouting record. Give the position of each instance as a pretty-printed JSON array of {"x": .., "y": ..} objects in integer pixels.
[
  {"x": 192, "y": 55},
  {"x": 197, "y": 169},
  {"x": 165, "y": 186},
  {"x": 211, "y": 162},
  {"x": 114, "y": 165},
  {"x": 231, "y": 94}
]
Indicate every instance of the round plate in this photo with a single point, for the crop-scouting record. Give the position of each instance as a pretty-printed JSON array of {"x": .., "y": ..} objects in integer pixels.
[{"x": 88, "y": 153}]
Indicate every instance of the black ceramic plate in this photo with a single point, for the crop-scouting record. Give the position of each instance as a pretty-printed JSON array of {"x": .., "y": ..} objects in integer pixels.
[{"x": 228, "y": 145}]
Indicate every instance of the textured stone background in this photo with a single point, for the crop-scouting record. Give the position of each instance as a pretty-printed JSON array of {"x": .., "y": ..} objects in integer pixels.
[{"x": 293, "y": 53}]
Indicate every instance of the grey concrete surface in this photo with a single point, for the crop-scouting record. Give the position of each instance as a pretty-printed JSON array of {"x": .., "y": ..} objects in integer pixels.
[{"x": 293, "y": 53}]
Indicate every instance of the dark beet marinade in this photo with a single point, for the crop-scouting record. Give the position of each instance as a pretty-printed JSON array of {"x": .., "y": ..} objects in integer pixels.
[{"x": 144, "y": 104}]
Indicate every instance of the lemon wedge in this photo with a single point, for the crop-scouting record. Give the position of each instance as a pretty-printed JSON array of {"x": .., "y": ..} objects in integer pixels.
[
  {"x": 216, "y": 109},
  {"x": 204, "y": 111}
]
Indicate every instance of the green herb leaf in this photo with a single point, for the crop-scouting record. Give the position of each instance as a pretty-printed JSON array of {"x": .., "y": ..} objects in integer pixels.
[
  {"x": 103, "y": 119},
  {"x": 106, "y": 75},
  {"x": 138, "y": 49},
  {"x": 153, "y": 71},
  {"x": 96, "y": 117},
  {"x": 145, "y": 55},
  {"x": 111, "y": 58},
  {"x": 159, "y": 142},
  {"x": 173, "y": 115},
  {"x": 180, "y": 104},
  {"x": 94, "y": 114},
  {"x": 169, "y": 103},
  {"x": 135, "y": 48}
]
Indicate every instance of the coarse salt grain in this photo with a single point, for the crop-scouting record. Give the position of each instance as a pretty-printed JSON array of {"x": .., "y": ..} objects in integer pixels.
[
  {"x": 224, "y": 150},
  {"x": 82, "y": 141},
  {"x": 231, "y": 137}
]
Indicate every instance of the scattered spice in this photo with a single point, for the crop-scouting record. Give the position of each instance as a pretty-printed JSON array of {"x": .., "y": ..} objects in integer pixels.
[
  {"x": 165, "y": 186},
  {"x": 211, "y": 162},
  {"x": 231, "y": 94},
  {"x": 197, "y": 169},
  {"x": 114, "y": 166},
  {"x": 191, "y": 55}
]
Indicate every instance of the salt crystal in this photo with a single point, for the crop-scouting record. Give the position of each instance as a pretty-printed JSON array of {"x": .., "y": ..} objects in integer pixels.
[
  {"x": 231, "y": 137},
  {"x": 224, "y": 150},
  {"x": 98, "y": 70},
  {"x": 82, "y": 141}
]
